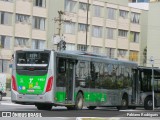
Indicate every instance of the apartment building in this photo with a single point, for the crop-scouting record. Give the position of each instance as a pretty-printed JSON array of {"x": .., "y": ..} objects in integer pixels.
[
  {"x": 23, "y": 25},
  {"x": 150, "y": 29},
  {"x": 113, "y": 29}
]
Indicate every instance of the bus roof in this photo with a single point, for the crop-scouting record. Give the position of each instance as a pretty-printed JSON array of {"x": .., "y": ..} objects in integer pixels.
[
  {"x": 94, "y": 56},
  {"x": 82, "y": 54}
]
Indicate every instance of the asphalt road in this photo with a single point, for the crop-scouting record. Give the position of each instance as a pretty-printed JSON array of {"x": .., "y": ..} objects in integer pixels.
[{"x": 62, "y": 113}]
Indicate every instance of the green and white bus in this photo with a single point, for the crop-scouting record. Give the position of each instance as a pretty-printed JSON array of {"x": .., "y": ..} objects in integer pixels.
[
  {"x": 48, "y": 78},
  {"x": 142, "y": 87}
]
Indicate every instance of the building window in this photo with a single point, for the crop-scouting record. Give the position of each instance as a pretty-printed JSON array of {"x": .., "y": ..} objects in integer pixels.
[
  {"x": 22, "y": 18},
  {"x": 40, "y": 3},
  {"x": 70, "y": 6},
  {"x": 21, "y": 42},
  {"x": 133, "y": 56},
  {"x": 97, "y": 31},
  {"x": 122, "y": 33},
  {"x": 70, "y": 47},
  {"x": 121, "y": 53},
  {"x": 4, "y": 66},
  {"x": 83, "y": 6},
  {"x": 123, "y": 14},
  {"x": 39, "y": 23},
  {"x": 110, "y": 52},
  {"x": 134, "y": 37},
  {"x": 110, "y": 33},
  {"x": 38, "y": 44},
  {"x": 82, "y": 47},
  {"x": 135, "y": 17},
  {"x": 82, "y": 27},
  {"x": 7, "y": 0},
  {"x": 69, "y": 27},
  {"x": 5, "y": 42},
  {"x": 5, "y": 18},
  {"x": 97, "y": 11},
  {"x": 96, "y": 50},
  {"x": 111, "y": 13}
]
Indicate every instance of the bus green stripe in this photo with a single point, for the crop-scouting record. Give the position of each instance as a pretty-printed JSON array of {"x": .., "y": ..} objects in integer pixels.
[{"x": 88, "y": 97}]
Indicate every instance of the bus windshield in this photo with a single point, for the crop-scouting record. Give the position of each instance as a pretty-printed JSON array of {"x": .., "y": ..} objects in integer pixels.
[{"x": 36, "y": 60}]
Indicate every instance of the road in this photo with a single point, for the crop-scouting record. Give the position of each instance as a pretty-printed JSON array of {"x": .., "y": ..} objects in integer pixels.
[{"x": 63, "y": 114}]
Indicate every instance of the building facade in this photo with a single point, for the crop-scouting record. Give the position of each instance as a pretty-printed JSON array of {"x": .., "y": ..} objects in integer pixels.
[
  {"x": 23, "y": 25},
  {"x": 150, "y": 29},
  {"x": 113, "y": 30}
]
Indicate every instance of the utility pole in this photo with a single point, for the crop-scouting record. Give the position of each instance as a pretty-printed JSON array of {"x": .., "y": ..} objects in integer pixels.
[
  {"x": 61, "y": 44},
  {"x": 59, "y": 20},
  {"x": 87, "y": 24}
]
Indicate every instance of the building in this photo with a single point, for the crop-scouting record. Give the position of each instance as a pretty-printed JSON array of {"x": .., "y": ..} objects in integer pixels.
[
  {"x": 23, "y": 25},
  {"x": 150, "y": 29},
  {"x": 113, "y": 29}
]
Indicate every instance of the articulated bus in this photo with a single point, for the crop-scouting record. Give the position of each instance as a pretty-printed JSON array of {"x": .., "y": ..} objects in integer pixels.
[
  {"x": 142, "y": 87},
  {"x": 47, "y": 78}
]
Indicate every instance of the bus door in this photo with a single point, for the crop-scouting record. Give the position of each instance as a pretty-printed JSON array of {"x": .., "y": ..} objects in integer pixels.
[
  {"x": 70, "y": 80},
  {"x": 135, "y": 86},
  {"x": 65, "y": 81}
]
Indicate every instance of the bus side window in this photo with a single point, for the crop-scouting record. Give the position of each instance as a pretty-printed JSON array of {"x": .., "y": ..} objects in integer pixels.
[{"x": 62, "y": 66}]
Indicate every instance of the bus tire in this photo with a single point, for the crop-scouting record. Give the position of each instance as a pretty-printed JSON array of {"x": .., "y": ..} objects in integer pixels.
[
  {"x": 148, "y": 103},
  {"x": 44, "y": 106},
  {"x": 0, "y": 96},
  {"x": 124, "y": 103},
  {"x": 70, "y": 108},
  {"x": 79, "y": 101},
  {"x": 91, "y": 107}
]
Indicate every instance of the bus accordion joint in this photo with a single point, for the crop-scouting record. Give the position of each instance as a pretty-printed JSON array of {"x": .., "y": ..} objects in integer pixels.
[
  {"x": 49, "y": 84},
  {"x": 14, "y": 86}
]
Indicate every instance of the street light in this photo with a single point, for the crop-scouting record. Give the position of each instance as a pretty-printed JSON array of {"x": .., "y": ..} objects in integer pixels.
[{"x": 152, "y": 63}]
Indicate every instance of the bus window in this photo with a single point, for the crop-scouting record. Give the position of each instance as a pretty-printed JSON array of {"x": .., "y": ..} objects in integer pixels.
[
  {"x": 82, "y": 74},
  {"x": 61, "y": 66},
  {"x": 61, "y": 79},
  {"x": 146, "y": 81}
]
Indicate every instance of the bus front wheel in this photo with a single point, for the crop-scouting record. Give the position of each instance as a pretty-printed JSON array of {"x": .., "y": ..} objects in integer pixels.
[
  {"x": 148, "y": 103},
  {"x": 79, "y": 101}
]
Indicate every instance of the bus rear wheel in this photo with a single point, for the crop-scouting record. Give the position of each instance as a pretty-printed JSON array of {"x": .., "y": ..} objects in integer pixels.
[
  {"x": 79, "y": 101},
  {"x": 43, "y": 106},
  {"x": 91, "y": 107},
  {"x": 124, "y": 103}
]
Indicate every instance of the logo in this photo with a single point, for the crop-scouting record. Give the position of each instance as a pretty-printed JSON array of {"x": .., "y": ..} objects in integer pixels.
[
  {"x": 19, "y": 87},
  {"x": 31, "y": 79},
  {"x": 6, "y": 114}
]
